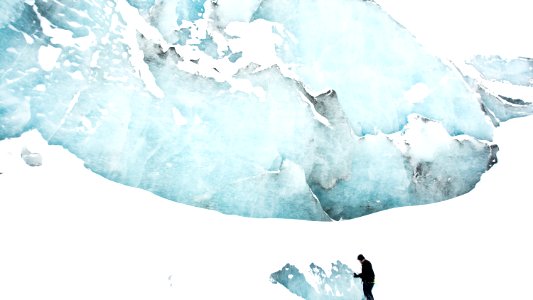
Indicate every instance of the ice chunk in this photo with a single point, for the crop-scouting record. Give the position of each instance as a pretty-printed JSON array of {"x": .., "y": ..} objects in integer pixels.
[
  {"x": 505, "y": 85},
  {"x": 316, "y": 284},
  {"x": 31, "y": 159},
  {"x": 518, "y": 71}
]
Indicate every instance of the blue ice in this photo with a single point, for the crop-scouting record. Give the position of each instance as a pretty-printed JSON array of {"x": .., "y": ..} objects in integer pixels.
[
  {"x": 351, "y": 117},
  {"x": 337, "y": 283}
]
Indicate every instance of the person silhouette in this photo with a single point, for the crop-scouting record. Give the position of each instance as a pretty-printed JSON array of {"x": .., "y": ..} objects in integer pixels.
[{"x": 367, "y": 276}]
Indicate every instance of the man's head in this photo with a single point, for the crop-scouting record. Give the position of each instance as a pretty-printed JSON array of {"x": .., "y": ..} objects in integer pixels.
[{"x": 360, "y": 257}]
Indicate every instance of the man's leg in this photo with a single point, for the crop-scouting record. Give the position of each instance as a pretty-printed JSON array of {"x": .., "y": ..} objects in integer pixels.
[{"x": 367, "y": 290}]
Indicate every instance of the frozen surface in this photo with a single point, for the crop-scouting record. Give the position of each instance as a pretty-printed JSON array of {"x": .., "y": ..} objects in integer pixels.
[{"x": 313, "y": 110}]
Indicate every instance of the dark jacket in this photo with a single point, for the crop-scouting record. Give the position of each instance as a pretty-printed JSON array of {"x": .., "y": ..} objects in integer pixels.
[{"x": 367, "y": 273}]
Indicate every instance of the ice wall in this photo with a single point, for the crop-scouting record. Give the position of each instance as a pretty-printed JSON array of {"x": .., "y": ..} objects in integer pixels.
[{"x": 313, "y": 110}]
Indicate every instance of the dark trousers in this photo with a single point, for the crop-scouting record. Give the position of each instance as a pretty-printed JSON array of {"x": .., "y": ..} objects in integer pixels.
[{"x": 367, "y": 290}]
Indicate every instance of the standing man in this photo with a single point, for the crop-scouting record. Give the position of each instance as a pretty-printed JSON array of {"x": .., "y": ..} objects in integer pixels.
[{"x": 367, "y": 276}]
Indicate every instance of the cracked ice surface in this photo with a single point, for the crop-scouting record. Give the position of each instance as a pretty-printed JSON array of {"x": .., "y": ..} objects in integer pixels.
[{"x": 311, "y": 110}]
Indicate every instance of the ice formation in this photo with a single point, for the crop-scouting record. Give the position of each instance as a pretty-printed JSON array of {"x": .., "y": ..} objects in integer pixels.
[
  {"x": 338, "y": 284},
  {"x": 313, "y": 110}
]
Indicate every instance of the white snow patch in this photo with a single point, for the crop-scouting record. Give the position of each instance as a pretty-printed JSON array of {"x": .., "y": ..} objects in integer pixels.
[{"x": 48, "y": 56}]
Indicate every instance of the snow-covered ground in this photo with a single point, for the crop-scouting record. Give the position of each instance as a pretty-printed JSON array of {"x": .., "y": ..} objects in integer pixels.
[{"x": 67, "y": 233}]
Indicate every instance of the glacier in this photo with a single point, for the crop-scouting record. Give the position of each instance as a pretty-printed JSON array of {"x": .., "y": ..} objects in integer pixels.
[{"x": 315, "y": 110}]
